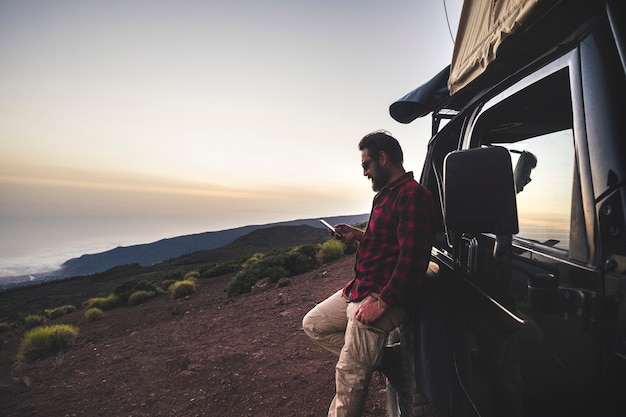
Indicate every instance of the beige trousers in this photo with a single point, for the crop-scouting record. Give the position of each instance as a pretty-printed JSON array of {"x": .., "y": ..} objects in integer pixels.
[{"x": 331, "y": 324}]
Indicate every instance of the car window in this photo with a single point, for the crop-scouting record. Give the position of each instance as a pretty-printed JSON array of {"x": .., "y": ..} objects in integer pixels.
[
  {"x": 534, "y": 123},
  {"x": 543, "y": 170}
]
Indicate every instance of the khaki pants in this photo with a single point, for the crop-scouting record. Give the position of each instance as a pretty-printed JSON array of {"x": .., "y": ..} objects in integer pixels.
[{"x": 331, "y": 324}]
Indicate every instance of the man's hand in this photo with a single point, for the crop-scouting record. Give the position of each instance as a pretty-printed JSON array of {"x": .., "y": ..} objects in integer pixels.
[
  {"x": 349, "y": 233},
  {"x": 370, "y": 310}
]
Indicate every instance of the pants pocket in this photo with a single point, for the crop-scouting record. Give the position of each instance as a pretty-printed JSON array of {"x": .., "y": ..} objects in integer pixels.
[{"x": 365, "y": 343}]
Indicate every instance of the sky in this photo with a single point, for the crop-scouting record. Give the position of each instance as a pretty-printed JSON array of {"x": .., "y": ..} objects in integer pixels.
[{"x": 125, "y": 122}]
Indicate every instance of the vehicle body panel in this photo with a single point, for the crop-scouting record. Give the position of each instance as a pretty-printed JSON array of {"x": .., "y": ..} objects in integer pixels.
[{"x": 537, "y": 318}]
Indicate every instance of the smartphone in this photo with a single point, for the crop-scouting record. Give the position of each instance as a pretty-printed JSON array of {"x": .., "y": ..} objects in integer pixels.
[{"x": 329, "y": 227}]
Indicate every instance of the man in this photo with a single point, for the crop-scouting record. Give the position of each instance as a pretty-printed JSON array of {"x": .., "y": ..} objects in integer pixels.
[{"x": 391, "y": 260}]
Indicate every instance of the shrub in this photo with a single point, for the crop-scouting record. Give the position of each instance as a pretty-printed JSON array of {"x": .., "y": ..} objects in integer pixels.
[
  {"x": 41, "y": 341},
  {"x": 60, "y": 311},
  {"x": 103, "y": 303},
  {"x": 139, "y": 297},
  {"x": 310, "y": 251},
  {"x": 297, "y": 263},
  {"x": 253, "y": 259},
  {"x": 4, "y": 327},
  {"x": 94, "y": 314},
  {"x": 274, "y": 266},
  {"x": 166, "y": 284},
  {"x": 266, "y": 266},
  {"x": 220, "y": 269},
  {"x": 174, "y": 276},
  {"x": 124, "y": 290},
  {"x": 182, "y": 288},
  {"x": 146, "y": 286},
  {"x": 240, "y": 284},
  {"x": 274, "y": 273},
  {"x": 269, "y": 266},
  {"x": 330, "y": 250},
  {"x": 194, "y": 275},
  {"x": 33, "y": 320}
]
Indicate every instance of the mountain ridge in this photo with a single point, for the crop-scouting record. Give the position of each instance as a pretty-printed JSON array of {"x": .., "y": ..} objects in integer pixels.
[{"x": 162, "y": 250}]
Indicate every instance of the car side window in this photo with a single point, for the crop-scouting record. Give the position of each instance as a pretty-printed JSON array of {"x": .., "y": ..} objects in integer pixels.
[
  {"x": 534, "y": 123},
  {"x": 543, "y": 170}
]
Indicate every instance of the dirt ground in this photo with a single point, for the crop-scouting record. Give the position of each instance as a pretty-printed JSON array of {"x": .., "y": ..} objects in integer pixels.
[{"x": 202, "y": 356}]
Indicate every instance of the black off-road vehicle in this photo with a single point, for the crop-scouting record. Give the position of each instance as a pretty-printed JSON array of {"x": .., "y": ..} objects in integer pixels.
[{"x": 524, "y": 312}]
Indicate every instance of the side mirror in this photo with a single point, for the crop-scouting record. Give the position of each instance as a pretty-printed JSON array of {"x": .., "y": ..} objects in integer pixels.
[{"x": 479, "y": 192}]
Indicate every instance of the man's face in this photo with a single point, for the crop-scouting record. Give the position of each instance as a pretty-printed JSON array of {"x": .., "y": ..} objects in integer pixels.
[{"x": 373, "y": 171}]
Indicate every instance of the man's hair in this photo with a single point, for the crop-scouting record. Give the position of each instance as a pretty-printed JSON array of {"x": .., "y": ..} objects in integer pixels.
[{"x": 382, "y": 140}]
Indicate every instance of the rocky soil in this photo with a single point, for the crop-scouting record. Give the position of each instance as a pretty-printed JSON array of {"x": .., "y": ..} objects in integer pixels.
[{"x": 206, "y": 355}]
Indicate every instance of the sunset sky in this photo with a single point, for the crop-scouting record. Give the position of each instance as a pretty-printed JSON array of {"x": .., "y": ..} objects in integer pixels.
[{"x": 149, "y": 119}]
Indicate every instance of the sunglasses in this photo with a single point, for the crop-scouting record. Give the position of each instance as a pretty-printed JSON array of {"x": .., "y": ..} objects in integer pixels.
[{"x": 366, "y": 164}]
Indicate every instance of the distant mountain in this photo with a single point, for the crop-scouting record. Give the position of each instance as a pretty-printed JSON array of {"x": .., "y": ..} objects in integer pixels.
[
  {"x": 263, "y": 240},
  {"x": 167, "y": 249}
]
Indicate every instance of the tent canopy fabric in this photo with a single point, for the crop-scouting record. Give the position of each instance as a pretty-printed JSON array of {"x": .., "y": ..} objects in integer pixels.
[{"x": 483, "y": 26}]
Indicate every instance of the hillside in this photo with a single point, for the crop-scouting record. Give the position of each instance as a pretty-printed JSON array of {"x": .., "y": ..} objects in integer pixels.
[
  {"x": 17, "y": 301},
  {"x": 261, "y": 240},
  {"x": 205, "y": 355},
  {"x": 165, "y": 249}
]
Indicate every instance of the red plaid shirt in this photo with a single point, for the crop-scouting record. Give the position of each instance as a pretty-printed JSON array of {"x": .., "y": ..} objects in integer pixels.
[{"x": 394, "y": 252}]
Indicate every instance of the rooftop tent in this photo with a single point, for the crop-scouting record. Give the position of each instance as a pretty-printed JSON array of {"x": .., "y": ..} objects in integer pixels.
[
  {"x": 518, "y": 31},
  {"x": 483, "y": 26}
]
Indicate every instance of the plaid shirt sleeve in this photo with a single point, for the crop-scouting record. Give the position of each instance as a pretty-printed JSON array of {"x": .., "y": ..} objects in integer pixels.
[{"x": 394, "y": 253}]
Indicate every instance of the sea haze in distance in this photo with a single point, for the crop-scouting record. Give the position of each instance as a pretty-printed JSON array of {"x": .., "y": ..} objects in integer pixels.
[
  {"x": 33, "y": 245},
  {"x": 35, "y": 254}
]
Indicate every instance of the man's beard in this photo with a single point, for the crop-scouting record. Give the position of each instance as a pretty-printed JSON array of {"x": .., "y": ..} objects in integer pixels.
[{"x": 380, "y": 178}]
